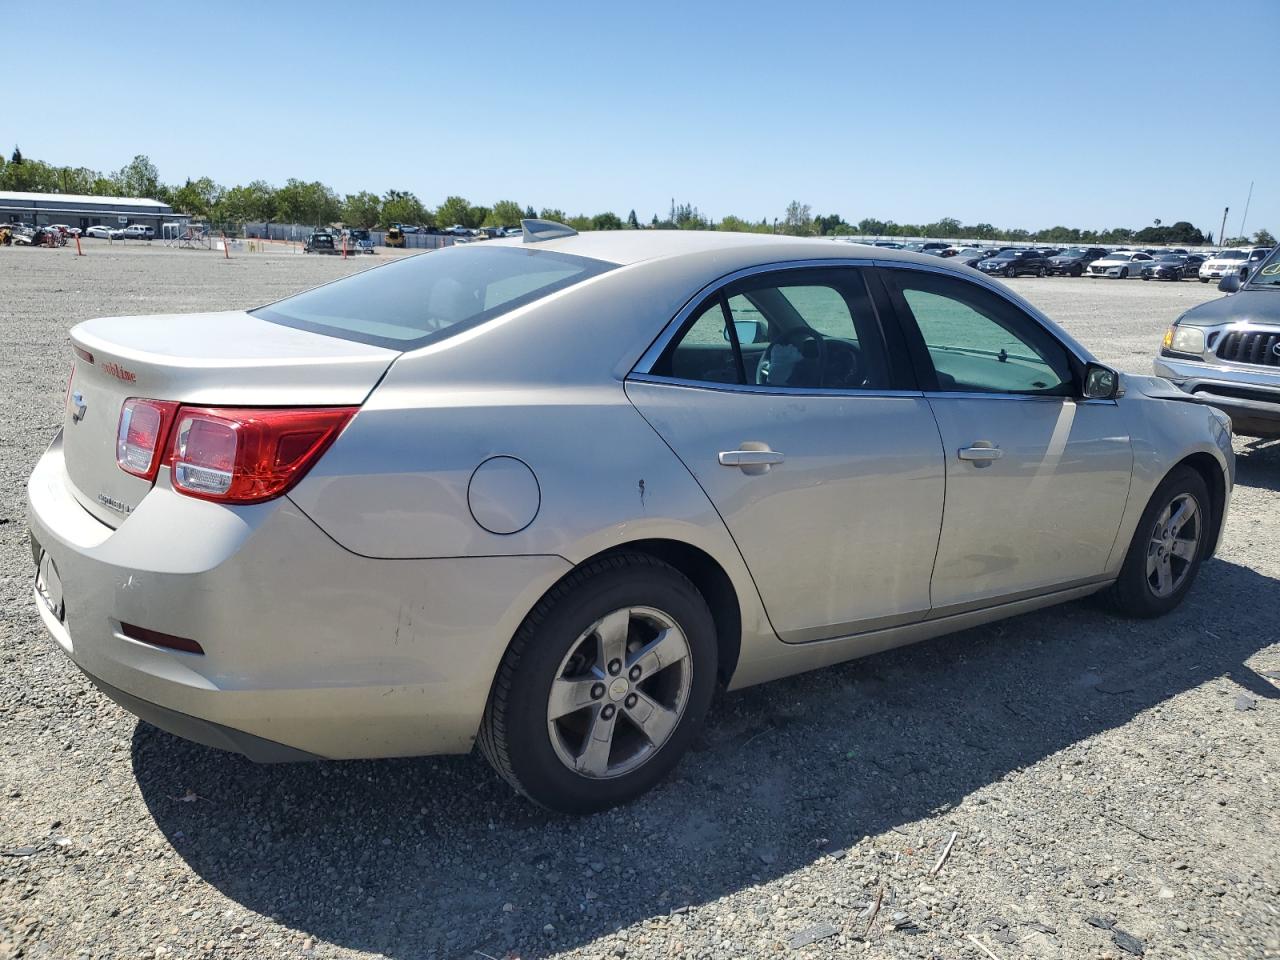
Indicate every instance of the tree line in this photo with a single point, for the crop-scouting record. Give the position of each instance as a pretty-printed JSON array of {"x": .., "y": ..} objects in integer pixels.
[{"x": 313, "y": 202}]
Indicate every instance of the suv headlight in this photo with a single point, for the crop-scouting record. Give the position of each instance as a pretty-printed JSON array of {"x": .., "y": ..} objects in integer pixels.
[{"x": 1184, "y": 339}]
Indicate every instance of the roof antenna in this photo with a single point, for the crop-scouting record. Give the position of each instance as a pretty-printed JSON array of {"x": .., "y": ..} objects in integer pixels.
[{"x": 535, "y": 230}]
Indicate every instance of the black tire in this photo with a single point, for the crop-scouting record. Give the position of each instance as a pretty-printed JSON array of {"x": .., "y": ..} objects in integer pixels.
[
  {"x": 514, "y": 734},
  {"x": 1204, "y": 279},
  {"x": 1042, "y": 273},
  {"x": 1145, "y": 277},
  {"x": 1132, "y": 594},
  {"x": 1010, "y": 272},
  {"x": 1124, "y": 273}
]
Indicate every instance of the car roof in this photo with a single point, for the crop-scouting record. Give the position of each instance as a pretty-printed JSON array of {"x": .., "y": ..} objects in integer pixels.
[{"x": 626, "y": 247}]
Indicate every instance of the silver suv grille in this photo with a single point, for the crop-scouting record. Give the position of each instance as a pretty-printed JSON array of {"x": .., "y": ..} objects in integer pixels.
[{"x": 1251, "y": 346}]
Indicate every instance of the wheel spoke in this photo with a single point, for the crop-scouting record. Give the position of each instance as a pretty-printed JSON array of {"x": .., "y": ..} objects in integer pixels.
[
  {"x": 654, "y": 720},
  {"x": 1164, "y": 576},
  {"x": 1183, "y": 549},
  {"x": 612, "y": 631},
  {"x": 1152, "y": 557},
  {"x": 1185, "y": 513},
  {"x": 667, "y": 648},
  {"x": 594, "y": 758},
  {"x": 569, "y": 696}
]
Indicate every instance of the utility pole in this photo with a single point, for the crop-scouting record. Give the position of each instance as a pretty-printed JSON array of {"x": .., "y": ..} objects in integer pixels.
[
  {"x": 1222, "y": 231},
  {"x": 1246, "y": 208}
]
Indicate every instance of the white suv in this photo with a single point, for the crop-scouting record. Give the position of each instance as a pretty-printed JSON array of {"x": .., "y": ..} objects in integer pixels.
[
  {"x": 136, "y": 231},
  {"x": 1239, "y": 262}
]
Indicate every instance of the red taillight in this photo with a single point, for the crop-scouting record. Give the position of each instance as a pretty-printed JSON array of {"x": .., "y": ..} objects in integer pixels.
[
  {"x": 246, "y": 456},
  {"x": 141, "y": 434}
]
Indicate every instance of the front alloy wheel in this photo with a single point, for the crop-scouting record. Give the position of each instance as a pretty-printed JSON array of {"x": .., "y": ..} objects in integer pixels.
[
  {"x": 1174, "y": 546},
  {"x": 1174, "y": 534}
]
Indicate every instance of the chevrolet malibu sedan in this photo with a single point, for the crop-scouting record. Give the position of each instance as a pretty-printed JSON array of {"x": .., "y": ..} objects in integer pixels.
[{"x": 546, "y": 495}]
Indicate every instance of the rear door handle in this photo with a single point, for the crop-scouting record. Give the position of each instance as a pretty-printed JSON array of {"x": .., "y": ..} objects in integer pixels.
[
  {"x": 982, "y": 451},
  {"x": 750, "y": 458}
]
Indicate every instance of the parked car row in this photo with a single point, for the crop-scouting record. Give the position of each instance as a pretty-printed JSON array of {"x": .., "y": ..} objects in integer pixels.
[{"x": 1096, "y": 262}]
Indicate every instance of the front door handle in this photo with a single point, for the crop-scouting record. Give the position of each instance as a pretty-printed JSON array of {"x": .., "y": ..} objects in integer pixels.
[{"x": 982, "y": 452}]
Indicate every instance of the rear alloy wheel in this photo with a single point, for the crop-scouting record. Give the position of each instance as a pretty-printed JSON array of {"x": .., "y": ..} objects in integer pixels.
[
  {"x": 1167, "y": 548},
  {"x": 604, "y": 687},
  {"x": 1042, "y": 273},
  {"x": 1010, "y": 272},
  {"x": 1124, "y": 273}
]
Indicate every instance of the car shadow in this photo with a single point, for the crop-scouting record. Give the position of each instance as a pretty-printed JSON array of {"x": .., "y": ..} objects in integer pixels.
[
  {"x": 1258, "y": 465},
  {"x": 437, "y": 856}
]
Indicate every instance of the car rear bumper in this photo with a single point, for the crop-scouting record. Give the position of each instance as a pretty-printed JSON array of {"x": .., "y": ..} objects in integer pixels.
[
  {"x": 1251, "y": 400},
  {"x": 309, "y": 649}
]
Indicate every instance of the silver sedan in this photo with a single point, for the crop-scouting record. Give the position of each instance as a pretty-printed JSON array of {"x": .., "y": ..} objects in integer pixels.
[{"x": 547, "y": 494}]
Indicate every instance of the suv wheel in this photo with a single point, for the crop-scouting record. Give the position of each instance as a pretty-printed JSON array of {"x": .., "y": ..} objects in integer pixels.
[
  {"x": 604, "y": 687},
  {"x": 1168, "y": 547}
]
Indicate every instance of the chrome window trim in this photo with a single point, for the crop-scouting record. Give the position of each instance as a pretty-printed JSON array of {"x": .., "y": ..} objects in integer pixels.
[
  {"x": 766, "y": 389},
  {"x": 645, "y": 364}
]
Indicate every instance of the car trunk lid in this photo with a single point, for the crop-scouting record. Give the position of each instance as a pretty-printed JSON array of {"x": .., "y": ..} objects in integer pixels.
[{"x": 210, "y": 359}]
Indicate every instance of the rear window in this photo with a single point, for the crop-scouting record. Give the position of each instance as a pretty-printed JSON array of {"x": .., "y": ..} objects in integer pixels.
[{"x": 427, "y": 297}]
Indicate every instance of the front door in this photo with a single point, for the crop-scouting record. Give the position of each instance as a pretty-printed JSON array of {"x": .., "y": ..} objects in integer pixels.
[
  {"x": 779, "y": 396},
  {"x": 1037, "y": 479}
]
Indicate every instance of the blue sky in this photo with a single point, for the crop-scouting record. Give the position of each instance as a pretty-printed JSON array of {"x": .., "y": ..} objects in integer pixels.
[{"x": 1021, "y": 114}]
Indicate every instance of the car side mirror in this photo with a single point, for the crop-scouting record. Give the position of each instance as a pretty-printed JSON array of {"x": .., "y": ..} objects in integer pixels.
[
  {"x": 1229, "y": 284},
  {"x": 1100, "y": 383},
  {"x": 749, "y": 331}
]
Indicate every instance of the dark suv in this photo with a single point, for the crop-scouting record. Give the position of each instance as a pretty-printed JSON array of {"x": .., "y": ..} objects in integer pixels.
[
  {"x": 1072, "y": 261},
  {"x": 1014, "y": 263}
]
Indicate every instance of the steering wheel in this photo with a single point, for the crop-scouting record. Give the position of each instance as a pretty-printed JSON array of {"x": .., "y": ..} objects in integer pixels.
[
  {"x": 786, "y": 360},
  {"x": 842, "y": 365}
]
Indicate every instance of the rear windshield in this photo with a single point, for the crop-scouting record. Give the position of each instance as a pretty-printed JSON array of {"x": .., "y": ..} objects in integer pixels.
[{"x": 426, "y": 297}]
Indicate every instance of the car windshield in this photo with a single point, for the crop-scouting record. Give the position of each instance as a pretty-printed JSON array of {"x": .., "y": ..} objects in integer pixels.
[
  {"x": 410, "y": 302},
  {"x": 1233, "y": 255},
  {"x": 1073, "y": 252},
  {"x": 1268, "y": 274},
  {"x": 1172, "y": 257},
  {"x": 1006, "y": 255}
]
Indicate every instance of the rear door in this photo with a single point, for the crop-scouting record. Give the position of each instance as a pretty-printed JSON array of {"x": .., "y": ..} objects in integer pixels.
[
  {"x": 781, "y": 395},
  {"x": 1037, "y": 479}
]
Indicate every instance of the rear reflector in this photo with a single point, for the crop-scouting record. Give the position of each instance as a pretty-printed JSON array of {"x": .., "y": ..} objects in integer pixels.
[
  {"x": 157, "y": 639},
  {"x": 141, "y": 434},
  {"x": 235, "y": 455}
]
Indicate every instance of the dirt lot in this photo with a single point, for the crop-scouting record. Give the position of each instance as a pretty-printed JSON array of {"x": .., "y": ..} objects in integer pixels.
[{"x": 1112, "y": 786}]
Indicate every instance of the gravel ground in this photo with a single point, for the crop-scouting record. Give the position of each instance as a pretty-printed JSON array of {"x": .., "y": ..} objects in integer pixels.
[{"x": 1110, "y": 785}]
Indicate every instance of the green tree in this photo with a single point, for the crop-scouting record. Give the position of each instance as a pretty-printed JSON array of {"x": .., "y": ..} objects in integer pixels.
[
  {"x": 197, "y": 197},
  {"x": 504, "y": 213},
  {"x": 1264, "y": 238},
  {"x": 313, "y": 203},
  {"x": 606, "y": 221},
  {"x": 455, "y": 211},
  {"x": 17, "y": 155},
  {"x": 580, "y": 223},
  {"x": 529, "y": 214},
  {"x": 798, "y": 221},
  {"x": 362, "y": 209},
  {"x": 401, "y": 206},
  {"x": 138, "y": 178},
  {"x": 632, "y": 222},
  {"x": 551, "y": 213},
  {"x": 738, "y": 225}
]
